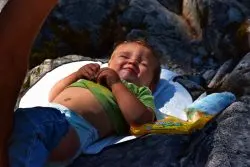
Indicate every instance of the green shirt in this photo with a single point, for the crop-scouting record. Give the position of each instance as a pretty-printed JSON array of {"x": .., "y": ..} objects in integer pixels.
[{"x": 108, "y": 101}]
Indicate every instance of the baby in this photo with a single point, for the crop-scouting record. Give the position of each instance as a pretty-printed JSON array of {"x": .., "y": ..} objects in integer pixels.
[{"x": 89, "y": 104}]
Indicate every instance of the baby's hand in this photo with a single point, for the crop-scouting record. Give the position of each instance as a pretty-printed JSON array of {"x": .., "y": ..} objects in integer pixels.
[
  {"x": 107, "y": 77},
  {"x": 88, "y": 71}
]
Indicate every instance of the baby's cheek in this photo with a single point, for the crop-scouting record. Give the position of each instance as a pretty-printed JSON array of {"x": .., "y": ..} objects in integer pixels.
[
  {"x": 114, "y": 67},
  {"x": 145, "y": 72},
  {"x": 118, "y": 66},
  {"x": 147, "y": 77}
]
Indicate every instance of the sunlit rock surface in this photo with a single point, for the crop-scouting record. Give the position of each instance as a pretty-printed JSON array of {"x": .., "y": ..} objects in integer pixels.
[{"x": 205, "y": 38}]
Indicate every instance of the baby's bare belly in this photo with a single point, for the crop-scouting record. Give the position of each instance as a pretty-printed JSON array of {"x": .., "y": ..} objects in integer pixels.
[{"x": 83, "y": 102}]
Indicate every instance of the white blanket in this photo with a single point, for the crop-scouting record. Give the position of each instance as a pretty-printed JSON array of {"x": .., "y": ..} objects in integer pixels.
[{"x": 170, "y": 98}]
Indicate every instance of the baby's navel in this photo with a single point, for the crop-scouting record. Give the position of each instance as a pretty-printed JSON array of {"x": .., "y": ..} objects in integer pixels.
[{"x": 67, "y": 99}]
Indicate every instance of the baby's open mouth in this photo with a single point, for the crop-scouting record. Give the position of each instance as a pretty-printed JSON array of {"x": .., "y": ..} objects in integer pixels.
[{"x": 131, "y": 70}]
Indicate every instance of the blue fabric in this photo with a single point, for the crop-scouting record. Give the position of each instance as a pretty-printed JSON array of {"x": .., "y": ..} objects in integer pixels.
[
  {"x": 36, "y": 132},
  {"x": 213, "y": 103},
  {"x": 86, "y": 133}
]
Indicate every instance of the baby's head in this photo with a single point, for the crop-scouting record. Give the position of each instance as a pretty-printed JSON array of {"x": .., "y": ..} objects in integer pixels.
[{"x": 136, "y": 62}]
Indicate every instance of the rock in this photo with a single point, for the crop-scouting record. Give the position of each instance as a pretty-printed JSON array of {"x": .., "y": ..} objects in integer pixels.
[
  {"x": 172, "y": 5},
  {"x": 192, "y": 36},
  {"x": 226, "y": 68},
  {"x": 75, "y": 27},
  {"x": 216, "y": 24},
  {"x": 149, "y": 151},
  {"x": 242, "y": 38},
  {"x": 179, "y": 30},
  {"x": 224, "y": 141},
  {"x": 37, "y": 72},
  {"x": 194, "y": 15},
  {"x": 238, "y": 81},
  {"x": 208, "y": 75},
  {"x": 2, "y": 4},
  {"x": 221, "y": 21}
]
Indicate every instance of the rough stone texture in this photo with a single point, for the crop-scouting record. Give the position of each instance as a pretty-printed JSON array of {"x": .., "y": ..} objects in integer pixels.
[
  {"x": 49, "y": 64},
  {"x": 195, "y": 34},
  {"x": 223, "y": 142},
  {"x": 192, "y": 33},
  {"x": 2, "y": 4},
  {"x": 172, "y": 5},
  {"x": 192, "y": 36},
  {"x": 88, "y": 27},
  {"x": 216, "y": 24},
  {"x": 152, "y": 150},
  {"x": 237, "y": 79}
]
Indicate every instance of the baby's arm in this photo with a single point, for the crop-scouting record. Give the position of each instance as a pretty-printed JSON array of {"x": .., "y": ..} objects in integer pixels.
[
  {"x": 86, "y": 72},
  {"x": 133, "y": 110}
]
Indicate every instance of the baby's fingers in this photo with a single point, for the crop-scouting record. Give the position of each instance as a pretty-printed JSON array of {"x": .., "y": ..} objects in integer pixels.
[
  {"x": 92, "y": 70},
  {"x": 94, "y": 67}
]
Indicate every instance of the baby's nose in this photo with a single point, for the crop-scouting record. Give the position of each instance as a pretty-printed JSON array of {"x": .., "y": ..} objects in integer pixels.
[{"x": 133, "y": 61}]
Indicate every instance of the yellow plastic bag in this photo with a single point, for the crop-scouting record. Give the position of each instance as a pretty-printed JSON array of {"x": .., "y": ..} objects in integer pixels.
[
  {"x": 171, "y": 125},
  {"x": 198, "y": 114}
]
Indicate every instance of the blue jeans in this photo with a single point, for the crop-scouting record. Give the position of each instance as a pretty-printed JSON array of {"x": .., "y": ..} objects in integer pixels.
[{"x": 36, "y": 132}]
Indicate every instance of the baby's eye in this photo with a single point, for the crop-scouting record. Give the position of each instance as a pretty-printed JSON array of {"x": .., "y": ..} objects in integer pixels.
[
  {"x": 123, "y": 56},
  {"x": 144, "y": 64}
]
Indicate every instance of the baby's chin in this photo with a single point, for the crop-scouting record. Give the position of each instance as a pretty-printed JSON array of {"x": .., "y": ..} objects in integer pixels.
[{"x": 129, "y": 78}]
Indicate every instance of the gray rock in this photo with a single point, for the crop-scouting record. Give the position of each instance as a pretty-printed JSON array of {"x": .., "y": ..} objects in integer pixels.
[
  {"x": 165, "y": 30},
  {"x": 208, "y": 75},
  {"x": 220, "y": 21},
  {"x": 179, "y": 30},
  {"x": 148, "y": 151},
  {"x": 2, "y": 4},
  {"x": 238, "y": 81},
  {"x": 202, "y": 30},
  {"x": 49, "y": 64},
  {"x": 224, "y": 141},
  {"x": 92, "y": 27},
  {"x": 222, "y": 71},
  {"x": 193, "y": 13},
  {"x": 172, "y": 5},
  {"x": 215, "y": 23}
]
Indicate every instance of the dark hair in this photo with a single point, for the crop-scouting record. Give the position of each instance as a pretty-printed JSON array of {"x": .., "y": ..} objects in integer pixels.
[{"x": 143, "y": 42}]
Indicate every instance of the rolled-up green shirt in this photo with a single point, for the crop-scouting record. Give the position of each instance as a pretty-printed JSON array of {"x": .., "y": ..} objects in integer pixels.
[{"x": 109, "y": 104}]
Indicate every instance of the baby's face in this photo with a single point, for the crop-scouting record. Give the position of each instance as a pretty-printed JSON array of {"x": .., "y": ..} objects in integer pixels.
[{"x": 134, "y": 63}]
